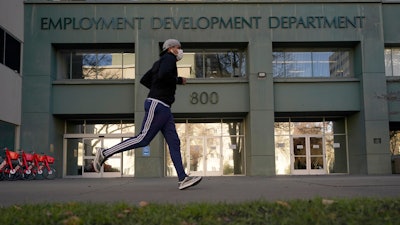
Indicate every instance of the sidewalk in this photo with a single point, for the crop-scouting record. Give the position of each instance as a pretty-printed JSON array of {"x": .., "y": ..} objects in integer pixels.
[{"x": 211, "y": 189}]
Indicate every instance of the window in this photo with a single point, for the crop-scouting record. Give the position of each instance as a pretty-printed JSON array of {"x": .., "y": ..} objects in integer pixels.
[
  {"x": 212, "y": 147},
  {"x": 99, "y": 65},
  {"x": 213, "y": 63},
  {"x": 392, "y": 61},
  {"x": 332, "y": 157},
  {"x": 294, "y": 63},
  {"x": 1, "y": 45},
  {"x": 10, "y": 51}
]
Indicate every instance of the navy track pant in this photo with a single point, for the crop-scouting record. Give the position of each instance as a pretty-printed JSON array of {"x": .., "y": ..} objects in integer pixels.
[{"x": 158, "y": 117}]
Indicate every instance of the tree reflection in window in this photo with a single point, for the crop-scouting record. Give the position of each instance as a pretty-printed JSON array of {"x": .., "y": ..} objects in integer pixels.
[
  {"x": 213, "y": 64},
  {"x": 104, "y": 65}
]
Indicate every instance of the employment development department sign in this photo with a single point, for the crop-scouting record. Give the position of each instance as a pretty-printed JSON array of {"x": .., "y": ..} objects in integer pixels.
[{"x": 194, "y": 23}]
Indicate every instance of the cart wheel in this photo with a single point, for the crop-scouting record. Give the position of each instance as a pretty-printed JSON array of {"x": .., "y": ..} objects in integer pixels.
[
  {"x": 28, "y": 175},
  {"x": 12, "y": 175},
  {"x": 49, "y": 174},
  {"x": 39, "y": 175}
]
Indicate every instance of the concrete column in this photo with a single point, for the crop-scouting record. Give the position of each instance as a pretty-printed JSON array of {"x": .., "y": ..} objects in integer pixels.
[
  {"x": 260, "y": 120},
  {"x": 152, "y": 165}
]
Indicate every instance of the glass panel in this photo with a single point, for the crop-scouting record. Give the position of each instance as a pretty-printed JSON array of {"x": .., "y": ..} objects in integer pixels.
[
  {"x": 307, "y": 128},
  {"x": 213, "y": 154},
  {"x": 128, "y": 163},
  {"x": 311, "y": 64},
  {"x": 214, "y": 64},
  {"x": 108, "y": 67},
  {"x": 330, "y": 152},
  {"x": 196, "y": 129},
  {"x": 317, "y": 163},
  {"x": 90, "y": 147},
  {"x": 96, "y": 65},
  {"x": 395, "y": 142},
  {"x": 196, "y": 154},
  {"x": 282, "y": 155},
  {"x": 338, "y": 64},
  {"x": 335, "y": 126},
  {"x": 186, "y": 66},
  {"x": 388, "y": 62},
  {"x": 396, "y": 61},
  {"x": 281, "y": 128},
  {"x": 103, "y": 128},
  {"x": 233, "y": 127},
  {"x": 76, "y": 66},
  {"x": 2, "y": 45},
  {"x": 127, "y": 128},
  {"x": 298, "y": 64},
  {"x": 113, "y": 164},
  {"x": 128, "y": 65},
  {"x": 316, "y": 152},
  {"x": 74, "y": 157},
  {"x": 278, "y": 64},
  {"x": 63, "y": 65},
  {"x": 204, "y": 129},
  {"x": 12, "y": 53},
  {"x": 299, "y": 151},
  {"x": 321, "y": 64},
  {"x": 232, "y": 154}
]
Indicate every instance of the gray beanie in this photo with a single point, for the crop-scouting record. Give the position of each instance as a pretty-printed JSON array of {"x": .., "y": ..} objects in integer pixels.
[{"x": 170, "y": 43}]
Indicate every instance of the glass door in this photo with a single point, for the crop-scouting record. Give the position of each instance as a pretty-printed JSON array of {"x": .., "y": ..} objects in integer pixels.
[
  {"x": 112, "y": 167},
  {"x": 204, "y": 156},
  {"x": 308, "y": 155}
]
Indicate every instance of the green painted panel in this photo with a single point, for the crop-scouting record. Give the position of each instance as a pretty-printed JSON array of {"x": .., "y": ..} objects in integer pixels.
[
  {"x": 93, "y": 99},
  {"x": 391, "y": 23},
  {"x": 325, "y": 96}
]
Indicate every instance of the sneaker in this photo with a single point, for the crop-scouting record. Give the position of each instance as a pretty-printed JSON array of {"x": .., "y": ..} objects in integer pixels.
[
  {"x": 98, "y": 160},
  {"x": 188, "y": 182}
]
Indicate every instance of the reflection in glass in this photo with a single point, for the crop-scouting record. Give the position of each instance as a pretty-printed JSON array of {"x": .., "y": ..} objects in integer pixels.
[
  {"x": 196, "y": 154},
  {"x": 213, "y": 64},
  {"x": 316, "y": 151},
  {"x": 213, "y": 156},
  {"x": 211, "y": 148},
  {"x": 311, "y": 63},
  {"x": 334, "y": 133},
  {"x": 392, "y": 61},
  {"x": 95, "y": 65},
  {"x": 81, "y": 151}
]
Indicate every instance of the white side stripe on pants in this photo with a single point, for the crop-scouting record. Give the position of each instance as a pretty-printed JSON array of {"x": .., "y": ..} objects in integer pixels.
[{"x": 136, "y": 139}]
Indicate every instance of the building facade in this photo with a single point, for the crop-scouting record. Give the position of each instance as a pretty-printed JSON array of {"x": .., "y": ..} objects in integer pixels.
[
  {"x": 11, "y": 45},
  {"x": 274, "y": 88}
]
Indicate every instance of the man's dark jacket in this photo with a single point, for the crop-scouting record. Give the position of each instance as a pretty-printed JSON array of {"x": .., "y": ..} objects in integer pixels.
[{"x": 162, "y": 79}]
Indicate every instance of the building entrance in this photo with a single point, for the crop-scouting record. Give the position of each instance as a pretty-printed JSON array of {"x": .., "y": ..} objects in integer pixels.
[
  {"x": 308, "y": 155},
  {"x": 205, "y": 156},
  {"x": 80, "y": 153}
]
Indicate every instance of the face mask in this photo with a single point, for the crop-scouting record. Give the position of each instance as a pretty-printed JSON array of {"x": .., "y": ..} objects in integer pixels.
[{"x": 179, "y": 55}]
